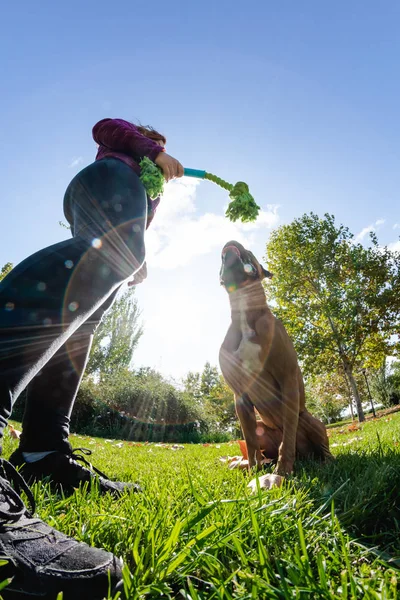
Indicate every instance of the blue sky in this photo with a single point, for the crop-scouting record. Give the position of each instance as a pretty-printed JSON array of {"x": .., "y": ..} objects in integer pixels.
[{"x": 298, "y": 99}]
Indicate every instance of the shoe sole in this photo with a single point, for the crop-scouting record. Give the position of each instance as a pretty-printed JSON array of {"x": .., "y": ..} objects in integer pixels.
[{"x": 10, "y": 594}]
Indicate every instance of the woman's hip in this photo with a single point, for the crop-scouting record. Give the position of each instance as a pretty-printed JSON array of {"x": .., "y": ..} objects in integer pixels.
[{"x": 106, "y": 195}]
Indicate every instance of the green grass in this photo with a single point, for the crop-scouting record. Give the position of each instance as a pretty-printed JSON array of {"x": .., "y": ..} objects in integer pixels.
[{"x": 197, "y": 533}]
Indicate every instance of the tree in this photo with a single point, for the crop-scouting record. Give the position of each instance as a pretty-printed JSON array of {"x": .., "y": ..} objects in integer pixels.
[
  {"x": 385, "y": 382},
  {"x": 339, "y": 300},
  {"x": 209, "y": 391},
  {"x": 394, "y": 383},
  {"x": 209, "y": 379},
  {"x": 327, "y": 396},
  {"x": 379, "y": 383},
  {"x": 220, "y": 405},
  {"x": 5, "y": 270},
  {"x": 116, "y": 337},
  {"x": 192, "y": 385}
]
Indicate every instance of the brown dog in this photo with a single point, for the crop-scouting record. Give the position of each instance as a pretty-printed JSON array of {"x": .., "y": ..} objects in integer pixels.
[{"x": 259, "y": 363}]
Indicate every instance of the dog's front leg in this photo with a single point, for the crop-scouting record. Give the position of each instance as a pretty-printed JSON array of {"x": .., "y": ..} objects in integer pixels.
[
  {"x": 290, "y": 420},
  {"x": 247, "y": 418}
]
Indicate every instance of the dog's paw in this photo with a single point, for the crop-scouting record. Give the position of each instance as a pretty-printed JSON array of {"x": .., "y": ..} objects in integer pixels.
[
  {"x": 284, "y": 468},
  {"x": 266, "y": 482}
]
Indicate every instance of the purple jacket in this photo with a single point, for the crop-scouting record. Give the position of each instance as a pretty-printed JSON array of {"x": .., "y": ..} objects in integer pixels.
[{"x": 122, "y": 140}]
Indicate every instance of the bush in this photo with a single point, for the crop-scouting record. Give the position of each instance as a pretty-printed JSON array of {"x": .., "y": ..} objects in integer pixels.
[{"x": 140, "y": 407}]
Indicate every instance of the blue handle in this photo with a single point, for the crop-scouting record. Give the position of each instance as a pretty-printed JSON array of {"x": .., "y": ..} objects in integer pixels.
[{"x": 194, "y": 173}]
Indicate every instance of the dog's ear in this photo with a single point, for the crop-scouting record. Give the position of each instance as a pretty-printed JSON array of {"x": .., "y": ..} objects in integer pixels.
[{"x": 266, "y": 273}]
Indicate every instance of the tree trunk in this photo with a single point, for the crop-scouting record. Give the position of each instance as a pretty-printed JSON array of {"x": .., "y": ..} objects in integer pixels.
[
  {"x": 348, "y": 371},
  {"x": 354, "y": 389},
  {"x": 351, "y": 409},
  {"x": 346, "y": 379}
]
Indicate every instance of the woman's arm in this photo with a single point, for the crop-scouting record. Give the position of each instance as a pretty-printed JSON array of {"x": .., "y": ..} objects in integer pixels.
[{"x": 122, "y": 136}]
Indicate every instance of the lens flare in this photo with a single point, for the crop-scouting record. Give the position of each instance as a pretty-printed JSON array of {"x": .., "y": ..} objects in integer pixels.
[{"x": 118, "y": 257}]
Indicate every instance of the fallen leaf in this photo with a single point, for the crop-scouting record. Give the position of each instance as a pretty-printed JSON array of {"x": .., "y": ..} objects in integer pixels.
[
  {"x": 353, "y": 427},
  {"x": 14, "y": 433}
]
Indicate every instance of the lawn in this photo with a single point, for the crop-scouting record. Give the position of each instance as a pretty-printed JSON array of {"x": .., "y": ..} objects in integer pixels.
[{"x": 196, "y": 532}]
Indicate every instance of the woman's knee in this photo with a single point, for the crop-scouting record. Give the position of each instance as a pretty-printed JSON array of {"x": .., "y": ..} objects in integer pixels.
[{"x": 124, "y": 249}]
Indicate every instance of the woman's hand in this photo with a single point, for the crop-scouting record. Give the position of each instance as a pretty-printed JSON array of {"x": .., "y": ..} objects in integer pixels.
[
  {"x": 171, "y": 167},
  {"x": 139, "y": 276}
]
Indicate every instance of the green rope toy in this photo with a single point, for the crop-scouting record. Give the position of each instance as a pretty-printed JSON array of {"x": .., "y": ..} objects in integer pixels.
[{"x": 242, "y": 205}]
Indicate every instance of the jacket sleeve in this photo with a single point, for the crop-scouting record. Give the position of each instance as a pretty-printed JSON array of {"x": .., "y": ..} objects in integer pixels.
[{"x": 122, "y": 136}]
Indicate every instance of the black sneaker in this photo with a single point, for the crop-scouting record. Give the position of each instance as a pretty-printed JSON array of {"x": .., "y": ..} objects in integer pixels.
[
  {"x": 42, "y": 561},
  {"x": 65, "y": 474}
]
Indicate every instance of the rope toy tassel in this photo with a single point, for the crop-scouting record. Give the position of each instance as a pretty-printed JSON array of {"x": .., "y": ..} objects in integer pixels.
[
  {"x": 152, "y": 178},
  {"x": 242, "y": 205}
]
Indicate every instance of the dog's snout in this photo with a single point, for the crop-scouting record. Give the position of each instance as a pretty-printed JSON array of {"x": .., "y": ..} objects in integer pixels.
[
  {"x": 231, "y": 256},
  {"x": 230, "y": 248},
  {"x": 230, "y": 259}
]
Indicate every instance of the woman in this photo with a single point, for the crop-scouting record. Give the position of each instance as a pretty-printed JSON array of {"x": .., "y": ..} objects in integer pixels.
[{"x": 51, "y": 303}]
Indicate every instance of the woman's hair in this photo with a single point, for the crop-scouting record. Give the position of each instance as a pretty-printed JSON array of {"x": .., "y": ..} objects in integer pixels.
[{"x": 151, "y": 133}]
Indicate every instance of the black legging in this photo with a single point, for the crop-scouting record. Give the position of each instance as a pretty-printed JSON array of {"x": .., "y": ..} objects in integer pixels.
[{"x": 51, "y": 303}]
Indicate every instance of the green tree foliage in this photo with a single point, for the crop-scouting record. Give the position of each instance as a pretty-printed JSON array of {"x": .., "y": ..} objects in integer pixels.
[
  {"x": 379, "y": 384},
  {"x": 139, "y": 405},
  {"x": 394, "y": 383},
  {"x": 209, "y": 379},
  {"x": 339, "y": 300},
  {"x": 148, "y": 397},
  {"x": 5, "y": 270},
  {"x": 385, "y": 383},
  {"x": 328, "y": 395},
  {"x": 116, "y": 337},
  {"x": 192, "y": 385},
  {"x": 209, "y": 391},
  {"x": 219, "y": 405}
]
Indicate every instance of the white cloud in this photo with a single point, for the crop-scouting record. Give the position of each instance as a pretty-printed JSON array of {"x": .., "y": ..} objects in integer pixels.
[
  {"x": 178, "y": 235},
  {"x": 370, "y": 228},
  {"x": 178, "y": 198},
  {"x": 396, "y": 226},
  {"x": 361, "y": 235},
  {"x": 394, "y": 246},
  {"x": 185, "y": 311},
  {"x": 75, "y": 162}
]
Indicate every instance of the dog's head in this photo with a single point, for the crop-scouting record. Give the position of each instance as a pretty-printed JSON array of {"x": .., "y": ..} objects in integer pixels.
[{"x": 239, "y": 267}]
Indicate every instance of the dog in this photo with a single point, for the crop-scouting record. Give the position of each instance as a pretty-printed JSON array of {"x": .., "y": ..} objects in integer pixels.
[{"x": 259, "y": 363}]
